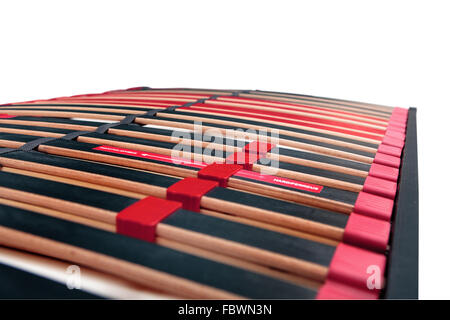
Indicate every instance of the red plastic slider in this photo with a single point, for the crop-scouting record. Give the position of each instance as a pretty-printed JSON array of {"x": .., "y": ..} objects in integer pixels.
[
  {"x": 190, "y": 191},
  {"x": 395, "y": 134},
  {"x": 357, "y": 267},
  {"x": 381, "y": 187},
  {"x": 392, "y": 141},
  {"x": 367, "y": 232},
  {"x": 400, "y": 110},
  {"x": 141, "y": 218},
  {"x": 219, "y": 172},
  {"x": 387, "y": 160},
  {"x": 397, "y": 129},
  {"x": 390, "y": 150},
  {"x": 383, "y": 172},
  {"x": 374, "y": 206},
  {"x": 396, "y": 126},
  {"x": 398, "y": 122},
  {"x": 243, "y": 158},
  {"x": 399, "y": 118}
]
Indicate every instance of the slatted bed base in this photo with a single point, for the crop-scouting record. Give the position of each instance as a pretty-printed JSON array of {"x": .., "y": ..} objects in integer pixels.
[{"x": 200, "y": 193}]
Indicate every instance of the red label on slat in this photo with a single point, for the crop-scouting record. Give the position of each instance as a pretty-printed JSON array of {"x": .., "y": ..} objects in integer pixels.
[
  {"x": 294, "y": 184},
  {"x": 285, "y": 182},
  {"x": 5, "y": 116}
]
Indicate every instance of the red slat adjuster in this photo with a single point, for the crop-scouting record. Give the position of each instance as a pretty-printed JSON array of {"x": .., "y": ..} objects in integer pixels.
[
  {"x": 219, "y": 172},
  {"x": 243, "y": 158},
  {"x": 354, "y": 267},
  {"x": 189, "y": 191},
  {"x": 141, "y": 218},
  {"x": 250, "y": 153}
]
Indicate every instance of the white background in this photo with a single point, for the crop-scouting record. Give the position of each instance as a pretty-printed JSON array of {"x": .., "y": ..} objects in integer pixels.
[{"x": 388, "y": 52}]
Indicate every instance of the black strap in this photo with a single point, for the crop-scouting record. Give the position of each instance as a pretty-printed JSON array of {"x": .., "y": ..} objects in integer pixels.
[
  {"x": 171, "y": 108},
  {"x": 129, "y": 119},
  {"x": 73, "y": 135},
  {"x": 35, "y": 143},
  {"x": 237, "y": 93},
  {"x": 190, "y": 104},
  {"x": 6, "y": 150}
]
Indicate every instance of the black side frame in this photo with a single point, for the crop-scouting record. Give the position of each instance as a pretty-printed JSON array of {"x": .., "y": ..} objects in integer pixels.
[{"x": 402, "y": 272}]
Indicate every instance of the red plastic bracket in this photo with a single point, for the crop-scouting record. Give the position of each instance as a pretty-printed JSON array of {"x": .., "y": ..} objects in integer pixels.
[
  {"x": 381, "y": 187},
  {"x": 141, "y": 218},
  {"x": 374, "y": 206},
  {"x": 392, "y": 141},
  {"x": 395, "y": 134},
  {"x": 387, "y": 160},
  {"x": 400, "y": 110},
  {"x": 390, "y": 150},
  {"x": 357, "y": 267},
  {"x": 190, "y": 191},
  {"x": 396, "y": 126},
  {"x": 384, "y": 172},
  {"x": 366, "y": 232},
  {"x": 250, "y": 153},
  {"x": 399, "y": 117},
  {"x": 397, "y": 121},
  {"x": 243, "y": 158},
  {"x": 219, "y": 172}
]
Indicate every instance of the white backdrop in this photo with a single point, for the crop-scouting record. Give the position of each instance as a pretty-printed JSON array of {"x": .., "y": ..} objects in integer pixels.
[{"x": 394, "y": 53}]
